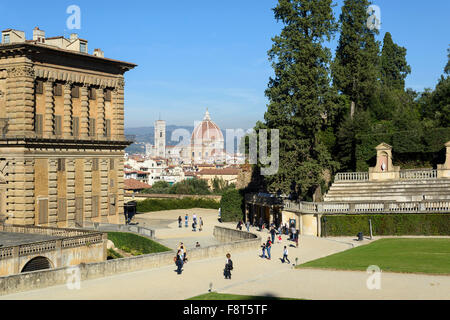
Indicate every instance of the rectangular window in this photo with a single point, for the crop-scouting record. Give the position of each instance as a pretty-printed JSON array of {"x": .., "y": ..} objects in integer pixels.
[
  {"x": 92, "y": 94},
  {"x": 76, "y": 127},
  {"x": 58, "y": 90},
  {"x": 108, "y": 129},
  {"x": 39, "y": 124},
  {"x": 92, "y": 127},
  {"x": 83, "y": 47},
  {"x": 95, "y": 206},
  {"x": 61, "y": 165},
  {"x": 6, "y": 39},
  {"x": 62, "y": 210},
  {"x": 58, "y": 125},
  {"x": 39, "y": 89},
  {"x": 75, "y": 92},
  {"x": 43, "y": 211},
  {"x": 95, "y": 166},
  {"x": 108, "y": 95},
  {"x": 111, "y": 164}
]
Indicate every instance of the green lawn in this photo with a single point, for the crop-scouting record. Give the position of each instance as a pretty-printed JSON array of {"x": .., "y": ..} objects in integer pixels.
[
  {"x": 430, "y": 256},
  {"x": 232, "y": 297},
  {"x": 134, "y": 244}
]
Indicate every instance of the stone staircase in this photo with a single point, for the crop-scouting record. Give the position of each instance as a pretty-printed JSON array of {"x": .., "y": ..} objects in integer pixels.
[{"x": 401, "y": 191}]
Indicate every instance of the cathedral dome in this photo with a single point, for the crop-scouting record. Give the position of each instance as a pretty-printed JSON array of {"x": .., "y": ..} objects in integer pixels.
[{"x": 207, "y": 132}]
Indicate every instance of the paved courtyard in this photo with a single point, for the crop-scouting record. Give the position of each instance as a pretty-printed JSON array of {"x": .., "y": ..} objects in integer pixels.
[{"x": 252, "y": 275}]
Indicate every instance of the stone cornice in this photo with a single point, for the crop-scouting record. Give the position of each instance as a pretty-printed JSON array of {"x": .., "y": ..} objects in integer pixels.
[{"x": 73, "y": 77}]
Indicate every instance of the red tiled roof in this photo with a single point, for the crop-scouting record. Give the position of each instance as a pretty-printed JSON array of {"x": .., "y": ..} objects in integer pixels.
[
  {"x": 133, "y": 184},
  {"x": 219, "y": 172}
]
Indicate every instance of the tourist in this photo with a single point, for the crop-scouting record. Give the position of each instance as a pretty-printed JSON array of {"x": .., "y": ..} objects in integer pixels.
[
  {"x": 248, "y": 226},
  {"x": 269, "y": 249},
  {"x": 280, "y": 239},
  {"x": 228, "y": 267},
  {"x": 201, "y": 225},
  {"x": 296, "y": 238},
  {"x": 273, "y": 234},
  {"x": 285, "y": 255},
  {"x": 194, "y": 227},
  {"x": 263, "y": 251},
  {"x": 179, "y": 261},
  {"x": 197, "y": 245},
  {"x": 194, "y": 217},
  {"x": 186, "y": 220},
  {"x": 180, "y": 222},
  {"x": 220, "y": 215}
]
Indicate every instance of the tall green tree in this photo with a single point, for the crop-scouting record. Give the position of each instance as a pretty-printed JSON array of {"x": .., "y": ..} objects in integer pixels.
[
  {"x": 394, "y": 67},
  {"x": 356, "y": 66},
  {"x": 300, "y": 97}
]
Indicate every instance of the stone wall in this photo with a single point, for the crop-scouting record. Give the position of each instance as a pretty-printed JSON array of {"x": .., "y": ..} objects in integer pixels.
[{"x": 240, "y": 241}]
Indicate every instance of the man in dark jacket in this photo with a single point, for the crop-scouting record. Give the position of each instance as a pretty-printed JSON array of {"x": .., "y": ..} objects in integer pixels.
[{"x": 228, "y": 267}]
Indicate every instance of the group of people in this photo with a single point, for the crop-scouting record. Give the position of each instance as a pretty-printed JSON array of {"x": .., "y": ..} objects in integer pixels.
[
  {"x": 181, "y": 259},
  {"x": 196, "y": 223},
  {"x": 267, "y": 246},
  {"x": 241, "y": 224}
]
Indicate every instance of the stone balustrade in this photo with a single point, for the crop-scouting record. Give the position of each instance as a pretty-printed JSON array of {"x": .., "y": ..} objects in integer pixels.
[
  {"x": 368, "y": 207},
  {"x": 418, "y": 174},
  {"x": 70, "y": 239},
  {"x": 352, "y": 176}
]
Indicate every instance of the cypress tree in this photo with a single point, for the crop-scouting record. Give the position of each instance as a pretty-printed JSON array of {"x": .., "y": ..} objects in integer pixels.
[
  {"x": 394, "y": 67},
  {"x": 299, "y": 94},
  {"x": 356, "y": 66}
]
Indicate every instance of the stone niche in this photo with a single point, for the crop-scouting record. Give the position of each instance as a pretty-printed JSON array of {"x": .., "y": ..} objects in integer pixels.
[
  {"x": 444, "y": 169},
  {"x": 384, "y": 169}
]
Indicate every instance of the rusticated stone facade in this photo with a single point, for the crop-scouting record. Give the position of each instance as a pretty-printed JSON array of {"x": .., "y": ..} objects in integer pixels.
[{"x": 61, "y": 136}]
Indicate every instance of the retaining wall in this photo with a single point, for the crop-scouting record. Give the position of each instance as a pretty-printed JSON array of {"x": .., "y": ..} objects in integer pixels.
[{"x": 236, "y": 241}]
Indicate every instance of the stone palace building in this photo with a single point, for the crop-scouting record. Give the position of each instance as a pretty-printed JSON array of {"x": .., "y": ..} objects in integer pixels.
[{"x": 61, "y": 132}]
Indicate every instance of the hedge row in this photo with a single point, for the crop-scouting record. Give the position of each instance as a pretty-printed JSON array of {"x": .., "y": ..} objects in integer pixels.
[
  {"x": 413, "y": 145},
  {"x": 152, "y": 205},
  {"x": 387, "y": 225}
]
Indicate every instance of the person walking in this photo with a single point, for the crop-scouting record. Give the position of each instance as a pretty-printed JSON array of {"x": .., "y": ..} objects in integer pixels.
[
  {"x": 186, "y": 220},
  {"x": 269, "y": 249},
  {"x": 248, "y": 226},
  {"x": 194, "y": 227},
  {"x": 220, "y": 215},
  {"x": 285, "y": 255},
  {"x": 273, "y": 233},
  {"x": 194, "y": 217},
  {"x": 200, "y": 225},
  {"x": 179, "y": 261},
  {"x": 296, "y": 238},
  {"x": 183, "y": 252},
  {"x": 228, "y": 267},
  {"x": 263, "y": 251},
  {"x": 180, "y": 222}
]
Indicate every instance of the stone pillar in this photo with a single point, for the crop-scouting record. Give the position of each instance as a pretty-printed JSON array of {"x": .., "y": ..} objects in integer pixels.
[
  {"x": 118, "y": 111},
  {"x": 53, "y": 193},
  {"x": 70, "y": 172},
  {"x": 20, "y": 101},
  {"x": 104, "y": 183},
  {"x": 101, "y": 113},
  {"x": 49, "y": 117},
  {"x": 444, "y": 169},
  {"x": 20, "y": 192},
  {"x": 88, "y": 189},
  {"x": 84, "y": 119},
  {"x": 120, "y": 189},
  {"x": 68, "y": 111}
]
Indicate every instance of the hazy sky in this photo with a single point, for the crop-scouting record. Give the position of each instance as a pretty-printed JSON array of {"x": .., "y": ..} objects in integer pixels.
[{"x": 200, "y": 54}]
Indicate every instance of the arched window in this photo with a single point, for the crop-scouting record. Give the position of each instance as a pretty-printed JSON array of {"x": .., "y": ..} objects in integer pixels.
[{"x": 36, "y": 264}]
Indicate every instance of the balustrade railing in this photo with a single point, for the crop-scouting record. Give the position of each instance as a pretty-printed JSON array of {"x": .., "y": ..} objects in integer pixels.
[
  {"x": 352, "y": 176},
  {"x": 70, "y": 239},
  {"x": 418, "y": 174}
]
